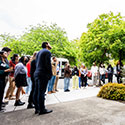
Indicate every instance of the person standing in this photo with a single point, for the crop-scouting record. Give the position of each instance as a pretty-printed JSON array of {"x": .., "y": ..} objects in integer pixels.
[
  {"x": 52, "y": 80},
  {"x": 29, "y": 87},
  {"x": 8, "y": 50},
  {"x": 118, "y": 70},
  {"x": 67, "y": 75},
  {"x": 12, "y": 64},
  {"x": 110, "y": 73},
  {"x": 57, "y": 78},
  {"x": 4, "y": 71},
  {"x": 75, "y": 75},
  {"x": 32, "y": 70},
  {"x": 84, "y": 72},
  {"x": 94, "y": 70},
  {"x": 20, "y": 76},
  {"x": 79, "y": 78},
  {"x": 102, "y": 71},
  {"x": 42, "y": 75}
]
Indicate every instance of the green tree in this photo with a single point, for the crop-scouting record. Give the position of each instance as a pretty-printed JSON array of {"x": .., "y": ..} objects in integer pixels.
[
  {"x": 32, "y": 39},
  {"x": 104, "y": 39}
]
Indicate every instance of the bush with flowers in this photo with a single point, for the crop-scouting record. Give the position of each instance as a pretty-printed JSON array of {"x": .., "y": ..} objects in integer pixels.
[{"x": 113, "y": 91}]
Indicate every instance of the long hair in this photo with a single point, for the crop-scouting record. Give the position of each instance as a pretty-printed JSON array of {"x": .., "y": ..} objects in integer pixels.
[
  {"x": 14, "y": 58},
  {"x": 22, "y": 59},
  {"x": 34, "y": 55}
]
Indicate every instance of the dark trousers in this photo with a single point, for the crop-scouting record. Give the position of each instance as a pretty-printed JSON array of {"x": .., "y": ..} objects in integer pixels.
[
  {"x": 83, "y": 80},
  {"x": 110, "y": 76},
  {"x": 2, "y": 87},
  {"x": 119, "y": 78},
  {"x": 30, "y": 100},
  {"x": 39, "y": 93}
]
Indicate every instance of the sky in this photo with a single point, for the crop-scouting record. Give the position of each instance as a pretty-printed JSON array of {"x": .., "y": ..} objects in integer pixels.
[{"x": 71, "y": 15}]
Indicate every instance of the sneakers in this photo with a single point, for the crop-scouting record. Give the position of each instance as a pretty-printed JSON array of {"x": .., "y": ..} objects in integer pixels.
[{"x": 19, "y": 103}]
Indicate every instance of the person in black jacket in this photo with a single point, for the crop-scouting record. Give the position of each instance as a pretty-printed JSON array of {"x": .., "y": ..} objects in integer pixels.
[
  {"x": 4, "y": 71},
  {"x": 32, "y": 70},
  {"x": 110, "y": 73},
  {"x": 119, "y": 71},
  {"x": 42, "y": 75}
]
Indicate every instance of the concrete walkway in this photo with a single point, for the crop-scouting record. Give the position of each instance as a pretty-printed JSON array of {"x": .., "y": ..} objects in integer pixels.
[
  {"x": 87, "y": 111},
  {"x": 58, "y": 97}
]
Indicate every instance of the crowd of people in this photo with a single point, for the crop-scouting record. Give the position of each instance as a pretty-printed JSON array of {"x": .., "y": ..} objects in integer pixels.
[{"x": 38, "y": 73}]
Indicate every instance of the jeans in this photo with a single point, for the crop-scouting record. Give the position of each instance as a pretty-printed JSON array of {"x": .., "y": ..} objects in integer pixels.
[
  {"x": 39, "y": 93},
  {"x": 79, "y": 82},
  {"x": 66, "y": 83},
  {"x": 29, "y": 87},
  {"x": 51, "y": 83},
  {"x": 102, "y": 78}
]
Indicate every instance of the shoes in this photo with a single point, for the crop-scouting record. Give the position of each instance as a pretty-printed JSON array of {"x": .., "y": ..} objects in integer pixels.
[
  {"x": 53, "y": 91},
  {"x": 36, "y": 111},
  {"x": 56, "y": 90},
  {"x": 5, "y": 102},
  {"x": 30, "y": 106},
  {"x": 45, "y": 111},
  {"x": 50, "y": 92},
  {"x": 67, "y": 90},
  {"x": 2, "y": 110},
  {"x": 19, "y": 103}
]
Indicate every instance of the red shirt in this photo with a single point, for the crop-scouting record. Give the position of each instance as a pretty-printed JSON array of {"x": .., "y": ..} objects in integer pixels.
[
  {"x": 11, "y": 64},
  {"x": 28, "y": 68}
]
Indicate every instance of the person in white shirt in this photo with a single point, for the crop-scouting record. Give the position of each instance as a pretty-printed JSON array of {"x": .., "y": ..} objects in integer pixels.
[
  {"x": 84, "y": 72},
  {"x": 94, "y": 70},
  {"x": 102, "y": 71}
]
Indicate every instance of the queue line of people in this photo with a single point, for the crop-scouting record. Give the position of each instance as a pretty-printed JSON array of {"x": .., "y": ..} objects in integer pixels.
[{"x": 39, "y": 73}]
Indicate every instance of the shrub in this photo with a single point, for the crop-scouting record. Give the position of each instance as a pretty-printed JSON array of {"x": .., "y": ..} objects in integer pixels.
[{"x": 113, "y": 91}]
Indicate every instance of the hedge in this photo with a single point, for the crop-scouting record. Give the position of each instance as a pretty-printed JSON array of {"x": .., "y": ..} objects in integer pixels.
[{"x": 113, "y": 91}]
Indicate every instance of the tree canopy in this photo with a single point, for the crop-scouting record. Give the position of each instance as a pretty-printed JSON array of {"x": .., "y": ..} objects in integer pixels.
[
  {"x": 32, "y": 39},
  {"x": 105, "y": 39}
]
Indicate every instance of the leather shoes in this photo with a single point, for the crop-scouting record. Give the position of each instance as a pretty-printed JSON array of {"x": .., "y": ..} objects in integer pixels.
[
  {"x": 30, "y": 106},
  {"x": 45, "y": 111},
  {"x": 2, "y": 110},
  {"x": 19, "y": 103},
  {"x": 36, "y": 111}
]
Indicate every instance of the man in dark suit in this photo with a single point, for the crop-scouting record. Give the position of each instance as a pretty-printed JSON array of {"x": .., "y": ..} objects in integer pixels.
[{"x": 42, "y": 75}]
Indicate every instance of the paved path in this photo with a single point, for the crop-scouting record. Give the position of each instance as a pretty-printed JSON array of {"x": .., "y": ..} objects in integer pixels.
[
  {"x": 88, "y": 111},
  {"x": 58, "y": 97}
]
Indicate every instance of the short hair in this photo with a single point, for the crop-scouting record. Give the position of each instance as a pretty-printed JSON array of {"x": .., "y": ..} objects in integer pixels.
[
  {"x": 44, "y": 44},
  {"x": 7, "y": 49}
]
